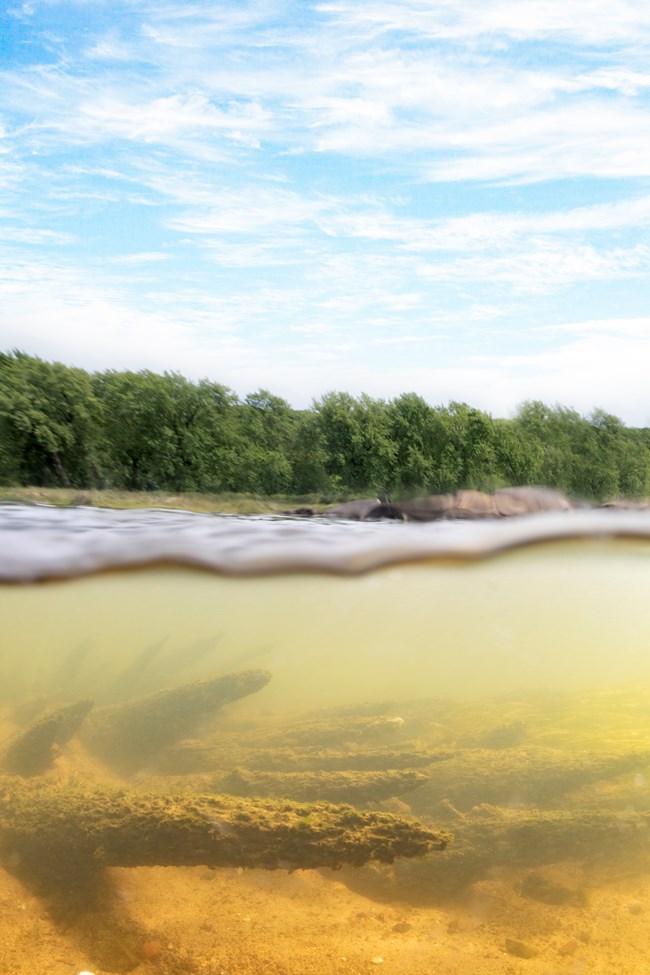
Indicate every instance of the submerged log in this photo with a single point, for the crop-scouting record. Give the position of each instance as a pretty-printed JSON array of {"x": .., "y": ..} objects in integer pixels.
[
  {"x": 194, "y": 755},
  {"x": 55, "y": 828},
  {"x": 534, "y": 838},
  {"x": 520, "y": 777},
  {"x": 347, "y": 787},
  {"x": 33, "y": 751},
  {"x": 493, "y": 837},
  {"x": 330, "y": 732},
  {"x": 129, "y": 736}
]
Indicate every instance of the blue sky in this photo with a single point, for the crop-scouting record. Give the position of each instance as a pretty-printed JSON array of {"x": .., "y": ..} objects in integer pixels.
[{"x": 445, "y": 196}]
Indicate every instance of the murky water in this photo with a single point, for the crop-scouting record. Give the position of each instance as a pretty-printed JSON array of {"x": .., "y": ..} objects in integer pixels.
[{"x": 201, "y": 716}]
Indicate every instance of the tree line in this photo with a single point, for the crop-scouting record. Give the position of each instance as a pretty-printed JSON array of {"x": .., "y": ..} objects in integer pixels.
[{"x": 63, "y": 426}]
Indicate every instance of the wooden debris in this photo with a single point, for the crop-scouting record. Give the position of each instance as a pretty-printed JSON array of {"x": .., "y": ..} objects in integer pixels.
[
  {"x": 130, "y": 736},
  {"x": 195, "y": 755},
  {"x": 519, "y": 777},
  {"x": 355, "y": 788},
  {"x": 33, "y": 751},
  {"x": 59, "y": 829}
]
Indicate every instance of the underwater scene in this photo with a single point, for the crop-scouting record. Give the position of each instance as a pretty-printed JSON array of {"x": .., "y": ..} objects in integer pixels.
[{"x": 259, "y": 745}]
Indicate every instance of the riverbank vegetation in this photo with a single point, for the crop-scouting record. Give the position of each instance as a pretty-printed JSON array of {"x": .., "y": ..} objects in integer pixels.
[{"x": 110, "y": 433}]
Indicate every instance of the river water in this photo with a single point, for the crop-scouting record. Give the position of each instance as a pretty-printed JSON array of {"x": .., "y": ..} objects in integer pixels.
[{"x": 487, "y": 680}]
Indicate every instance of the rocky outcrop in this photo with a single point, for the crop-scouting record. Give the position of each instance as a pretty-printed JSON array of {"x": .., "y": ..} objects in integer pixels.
[
  {"x": 529, "y": 500},
  {"x": 462, "y": 505}
]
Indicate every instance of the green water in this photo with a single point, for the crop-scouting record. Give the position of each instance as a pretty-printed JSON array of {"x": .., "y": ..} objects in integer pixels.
[
  {"x": 500, "y": 704},
  {"x": 562, "y": 616}
]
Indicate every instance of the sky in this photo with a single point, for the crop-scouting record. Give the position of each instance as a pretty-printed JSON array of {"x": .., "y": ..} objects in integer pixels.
[{"x": 450, "y": 197}]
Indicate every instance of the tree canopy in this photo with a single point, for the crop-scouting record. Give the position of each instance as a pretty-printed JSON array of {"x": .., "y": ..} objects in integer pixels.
[{"x": 63, "y": 426}]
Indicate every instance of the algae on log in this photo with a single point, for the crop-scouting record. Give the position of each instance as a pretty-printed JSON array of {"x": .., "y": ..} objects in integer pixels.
[
  {"x": 33, "y": 750},
  {"x": 337, "y": 787},
  {"x": 529, "y": 776},
  {"x": 129, "y": 736},
  {"x": 536, "y": 837},
  {"x": 329, "y": 732},
  {"x": 493, "y": 837},
  {"x": 54, "y": 828},
  {"x": 196, "y": 756}
]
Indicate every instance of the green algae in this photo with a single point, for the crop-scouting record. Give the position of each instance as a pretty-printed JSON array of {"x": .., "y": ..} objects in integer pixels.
[
  {"x": 86, "y": 828},
  {"x": 350, "y": 787}
]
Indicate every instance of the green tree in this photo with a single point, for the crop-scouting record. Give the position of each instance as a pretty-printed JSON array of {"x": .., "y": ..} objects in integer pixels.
[
  {"x": 49, "y": 423},
  {"x": 519, "y": 457},
  {"x": 360, "y": 452},
  {"x": 594, "y": 458},
  {"x": 412, "y": 425},
  {"x": 309, "y": 456},
  {"x": 145, "y": 431},
  {"x": 165, "y": 432},
  {"x": 266, "y": 427},
  {"x": 464, "y": 448}
]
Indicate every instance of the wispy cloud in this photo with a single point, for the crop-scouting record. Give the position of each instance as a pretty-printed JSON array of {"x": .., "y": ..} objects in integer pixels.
[
  {"x": 146, "y": 257},
  {"x": 583, "y": 21},
  {"x": 396, "y": 193}
]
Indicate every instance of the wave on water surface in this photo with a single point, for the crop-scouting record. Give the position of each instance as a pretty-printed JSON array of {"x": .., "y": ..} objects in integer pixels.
[{"x": 40, "y": 542}]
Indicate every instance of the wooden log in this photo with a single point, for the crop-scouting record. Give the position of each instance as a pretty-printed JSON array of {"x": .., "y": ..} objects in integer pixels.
[
  {"x": 194, "y": 755},
  {"x": 533, "y": 837},
  {"x": 533, "y": 776},
  {"x": 33, "y": 751},
  {"x": 355, "y": 788},
  {"x": 492, "y": 837},
  {"x": 69, "y": 829},
  {"x": 330, "y": 732},
  {"x": 130, "y": 736}
]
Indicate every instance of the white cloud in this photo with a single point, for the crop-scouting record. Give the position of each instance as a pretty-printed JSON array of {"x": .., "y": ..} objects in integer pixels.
[
  {"x": 53, "y": 312},
  {"x": 605, "y": 367},
  {"x": 542, "y": 268},
  {"x": 461, "y": 114},
  {"x": 248, "y": 211},
  {"x": 185, "y": 121},
  {"x": 478, "y": 231},
  {"x": 32, "y": 235},
  {"x": 343, "y": 201},
  {"x": 144, "y": 257},
  {"x": 583, "y": 21},
  {"x": 603, "y": 364},
  {"x": 111, "y": 48}
]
